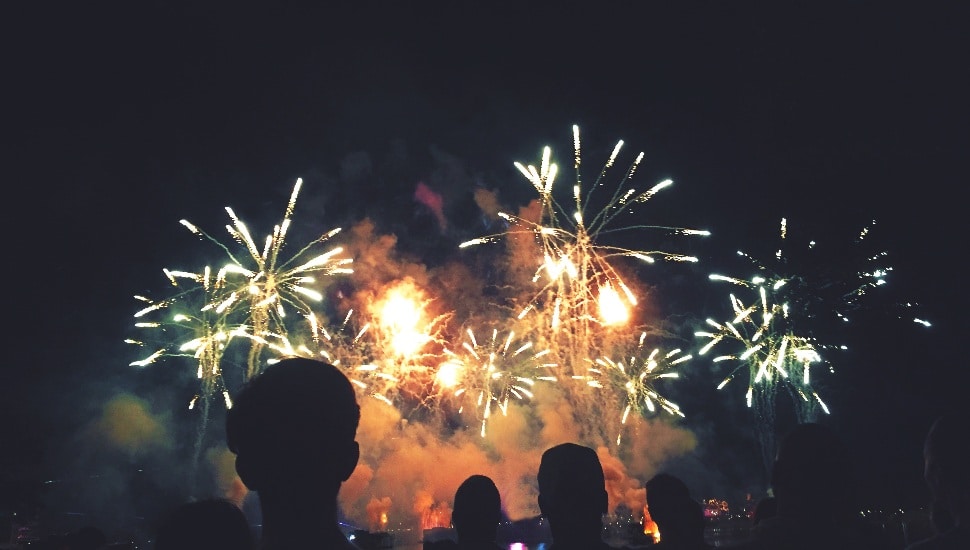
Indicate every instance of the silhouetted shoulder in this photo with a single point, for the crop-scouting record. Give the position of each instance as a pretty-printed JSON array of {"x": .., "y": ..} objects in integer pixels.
[
  {"x": 953, "y": 539},
  {"x": 205, "y": 525}
]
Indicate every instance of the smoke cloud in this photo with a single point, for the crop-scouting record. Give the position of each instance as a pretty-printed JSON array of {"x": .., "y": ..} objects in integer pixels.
[{"x": 127, "y": 424}]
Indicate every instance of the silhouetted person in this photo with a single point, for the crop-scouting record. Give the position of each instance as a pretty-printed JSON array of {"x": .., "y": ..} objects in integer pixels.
[
  {"x": 766, "y": 508},
  {"x": 293, "y": 429},
  {"x": 679, "y": 518},
  {"x": 210, "y": 524},
  {"x": 946, "y": 457},
  {"x": 572, "y": 496},
  {"x": 477, "y": 513},
  {"x": 813, "y": 485}
]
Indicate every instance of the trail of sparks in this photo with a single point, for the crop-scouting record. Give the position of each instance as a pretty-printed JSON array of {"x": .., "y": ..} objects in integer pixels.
[
  {"x": 583, "y": 290},
  {"x": 345, "y": 346},
  {"x": 203, "y": 330},
  {"x": 770, "y": 350},
  {"x": 261, "y": 283},
  {"x": 636, "y": 378},
  {"x": 241, "y": 301},
  {"x": 776, "y": 328},
  {"x": 494, "y": 371}
]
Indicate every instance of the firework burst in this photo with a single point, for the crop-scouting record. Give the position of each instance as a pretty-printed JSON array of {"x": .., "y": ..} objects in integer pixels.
[
  {"x": 490, "y": 373},
  {"x": 771, "y": 351},
  {"x": 401, "y": 323},
  {"x": 194, "y": 324},
  {"x": 636, "y": 377},
  {"x": 243, "y": 300},
  {"x": 345, "y": 346},
  {"x": 264, "y": 284},
  {"x": 784, "y": 324},
  {"x": 581, "y": 291},
  {"x": 793, "y": 302}
]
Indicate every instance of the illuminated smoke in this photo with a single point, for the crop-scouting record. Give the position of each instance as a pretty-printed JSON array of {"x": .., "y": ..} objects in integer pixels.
[
  {"x": 434, "y": 202},
  {"x": 127, "y": 423}
]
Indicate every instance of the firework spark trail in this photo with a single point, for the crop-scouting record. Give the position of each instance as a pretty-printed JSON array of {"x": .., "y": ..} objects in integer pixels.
[
  {"x": 202, "y": 327},
  {"x": 268, "y": 282},
  {"x": 769, "y": 352},
  {"x": 778, "y": 329},
  {"x": 202, "y": 331},
  {"x": 772, "y": 344},
  {"x": 583, "y": 291},
  {"x": 238, "y": 302},
  {"x": 636, "y": 377},
  {"x": 491, "y": 372},
  {"x": 346, "y": 346},
  {"x": 770, "y": 349},
  {"x": 774, "y": 335}
]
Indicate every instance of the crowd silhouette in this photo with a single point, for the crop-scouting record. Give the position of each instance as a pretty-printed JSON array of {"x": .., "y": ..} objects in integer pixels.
[{"x": 293, "y": 431}]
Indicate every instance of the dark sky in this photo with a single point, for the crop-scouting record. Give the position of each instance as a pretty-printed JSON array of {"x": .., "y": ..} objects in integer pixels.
[{"x": 124, "y": 118}]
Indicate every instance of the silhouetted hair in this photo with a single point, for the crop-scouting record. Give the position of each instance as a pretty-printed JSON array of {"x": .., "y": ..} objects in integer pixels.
[
  {"x": 812, "y": 462},
  {"x": 571, "y": 475},
  {"x": 684, "y": 516},
  {"x": 766, "y": 508},
  {"x": 210, "y": 524},
  {"x": 289, "y": 417},
  {"x": 477, "y": 510},
  {"x": 665, "y": 494}
]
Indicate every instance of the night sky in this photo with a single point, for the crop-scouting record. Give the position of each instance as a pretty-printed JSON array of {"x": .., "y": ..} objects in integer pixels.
[{"x": 124, "y": 118}]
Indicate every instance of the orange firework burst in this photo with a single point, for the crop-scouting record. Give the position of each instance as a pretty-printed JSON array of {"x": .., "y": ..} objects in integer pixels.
[{"x": 406, "y": 331}]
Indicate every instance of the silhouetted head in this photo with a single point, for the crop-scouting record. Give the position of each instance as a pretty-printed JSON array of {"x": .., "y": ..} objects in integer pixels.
[
  {"x": 478, "y": 509},
  {"x": 572, "y": 488},
  {"x": 211, "y": 524},
  {"x": 293, "y": 428},
  {"x": 945, "y": 459},
  {"x": 766, "y": 508},
  {"x": 812, "y": 468},
  {"x": 667, "y": 498},
  {"x": 683, "y": 520}
]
